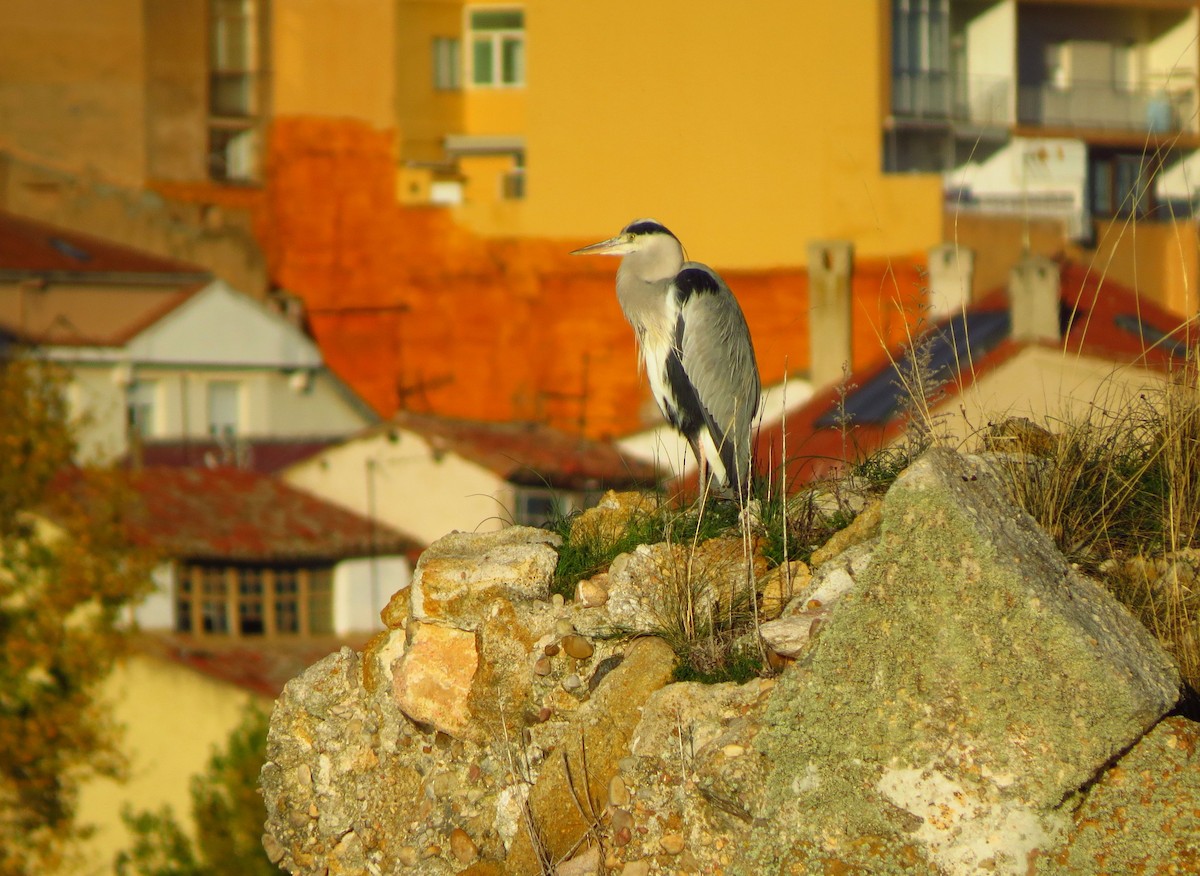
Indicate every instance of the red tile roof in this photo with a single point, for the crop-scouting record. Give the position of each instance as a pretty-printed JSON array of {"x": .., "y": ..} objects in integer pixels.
[
  {"x": 235, "y": 515},
  {"x": 531, "y": 454},
  {"x": 1104, "y": 319},
  {"x": 264, "y": 455},
  {"x": 28, "y": 246}
]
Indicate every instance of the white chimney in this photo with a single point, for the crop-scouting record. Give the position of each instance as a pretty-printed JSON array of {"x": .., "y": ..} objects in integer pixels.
[
  {"x": 1033, "y": 294},
  {"x": 951, "y": 272},
  {"x": 829, "y": 308}
]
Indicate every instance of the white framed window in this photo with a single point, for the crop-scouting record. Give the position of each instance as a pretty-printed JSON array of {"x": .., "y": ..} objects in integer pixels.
[
  {"x": 496, "y": 36},
  {"x": 224, "y": 404},
  {"x": 447, "y": 63},
  {"x": 141, "y": 408},
  {"x": 537, "y": 506}
]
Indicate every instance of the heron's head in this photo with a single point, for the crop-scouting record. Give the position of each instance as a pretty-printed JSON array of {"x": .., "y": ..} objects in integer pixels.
[{"x": 651, "y": 251}]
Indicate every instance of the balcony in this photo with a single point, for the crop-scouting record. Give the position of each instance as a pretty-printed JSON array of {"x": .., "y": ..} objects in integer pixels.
[
  {"x": 933, "y": 96},
  {"x": 233, "y": 94},
  {"x": 1105, "y": 106}
]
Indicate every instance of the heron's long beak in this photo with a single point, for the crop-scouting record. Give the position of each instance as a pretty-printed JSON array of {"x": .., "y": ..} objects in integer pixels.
[{"x": 619, "y": 245}]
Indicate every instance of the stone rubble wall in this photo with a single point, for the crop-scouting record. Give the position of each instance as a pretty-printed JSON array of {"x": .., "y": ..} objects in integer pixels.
[{"x": 955, "y": 699}]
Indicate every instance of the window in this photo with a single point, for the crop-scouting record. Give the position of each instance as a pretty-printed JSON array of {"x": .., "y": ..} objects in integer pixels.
[
  {"x": 251, "y": 600},
  {"x": 513, "y": 184},
  {"x": 214, "y": 603},
  {"x": 921, "y": 84},
  {"x": 497, "y": 38},
  {"x": 224, "y": 401},
  {"x": 320, "y": 602},
  {"x": 287, "y": 605},
  {"x": 536, "y": 507},
  {"x": 1057, "y": 66},
  {"x": 1121, "y": 185},
  {"x": 232, "y": 153},
  {"x": 140, "y": 407},
  {"x": 920, "y": 36},
  {"x": 250, "y": 604},
  {"x": 447, "y": 65}
]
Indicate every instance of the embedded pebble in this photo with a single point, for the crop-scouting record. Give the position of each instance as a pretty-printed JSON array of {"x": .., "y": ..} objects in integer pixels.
[
  {"x": 563, "y": 628},
  {"x": 462, "y": 846},
  {"x": 577, "y": 647},
  {"x": 572, "y": 682},
  {"x": 591, "y": 593},
  {"x": 621, "y": 819},
  {"x": 557, "y": 600},
  {"x": 618, "y": 794},
  {"x": 622, "y": 836},
  {"x": 672, "y": 843},
  {"x": 431, "y": 851},
  {"x": 407, "y": 856},
  {"x": 551, "y": 650},
  {"x": 733, "y": 750},
  {"x": 544, "y": 714},
  {"x": 542, "y": 666},
  {"x": 636, "y": 868},
  {"x": 273, "y": 849}
]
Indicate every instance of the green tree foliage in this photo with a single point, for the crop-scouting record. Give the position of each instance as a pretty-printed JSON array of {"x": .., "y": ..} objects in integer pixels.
[
  {"x": 67, "y": 569},
  {"x": 228, "y": 812}
]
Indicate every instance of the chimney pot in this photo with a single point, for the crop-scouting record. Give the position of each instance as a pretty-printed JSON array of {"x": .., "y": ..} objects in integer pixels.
[
  {"x": 1033, "y": 294},
  {"x": 830, "y": 263},
  {"x": 951, "y": 273}
]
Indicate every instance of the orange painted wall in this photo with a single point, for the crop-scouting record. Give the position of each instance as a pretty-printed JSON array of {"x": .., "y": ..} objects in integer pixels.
[{"x": 412, "y": 310}]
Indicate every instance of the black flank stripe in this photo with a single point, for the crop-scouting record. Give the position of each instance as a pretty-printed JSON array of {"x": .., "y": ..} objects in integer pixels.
[{"x": 688, "y": 414}]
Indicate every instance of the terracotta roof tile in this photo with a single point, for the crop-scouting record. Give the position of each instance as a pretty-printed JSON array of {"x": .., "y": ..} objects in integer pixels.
[
  {"x": 265, "y": 455},
  {"x": 35, "y": 247},
  {"x": 531, "y": 454},
  {"x": 236, "y": 515}
]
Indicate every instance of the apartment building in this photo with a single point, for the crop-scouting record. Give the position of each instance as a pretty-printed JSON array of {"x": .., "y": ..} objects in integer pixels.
[{"x": 1080, "y": 113}]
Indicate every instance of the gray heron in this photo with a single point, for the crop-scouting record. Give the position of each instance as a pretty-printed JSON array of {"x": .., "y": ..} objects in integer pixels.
[{"x": 694, "y": 346}]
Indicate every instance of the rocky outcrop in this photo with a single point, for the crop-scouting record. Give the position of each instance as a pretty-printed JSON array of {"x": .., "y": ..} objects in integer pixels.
[
  {"x": 957, "y": 699},
  {"x": 966, "y": 685}
]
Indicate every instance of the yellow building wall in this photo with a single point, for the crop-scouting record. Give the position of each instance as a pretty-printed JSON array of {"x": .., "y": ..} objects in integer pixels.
[
  {"x": 173, "y": 718},
  {"x": 424, "y": 114},
  {"x": 494, "y": 110},
  {"x": 334, "y": 58},
  {"x": 748, "y": 129}
]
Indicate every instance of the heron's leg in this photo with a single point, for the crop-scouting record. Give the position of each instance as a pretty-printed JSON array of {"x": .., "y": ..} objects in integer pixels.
[{"x": 704, "y": 476}]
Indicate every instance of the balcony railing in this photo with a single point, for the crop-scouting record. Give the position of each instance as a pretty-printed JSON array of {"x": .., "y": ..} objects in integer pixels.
[
  {"x": 1105, "y": 106},
  {"x": 986, "y": 101},
  {"x": 942, "y": 96},
  {"x": 233, "y": 94}
]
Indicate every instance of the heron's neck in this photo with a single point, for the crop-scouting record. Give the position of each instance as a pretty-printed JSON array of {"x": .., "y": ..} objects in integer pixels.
[{"x": 658, "y": 261}]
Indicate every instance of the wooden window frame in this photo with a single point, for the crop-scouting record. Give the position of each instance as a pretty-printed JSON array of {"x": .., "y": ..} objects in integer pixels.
[{"x": 192, "y": 598}]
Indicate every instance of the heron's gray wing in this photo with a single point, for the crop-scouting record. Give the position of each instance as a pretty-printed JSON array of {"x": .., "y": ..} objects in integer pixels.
[{"x": 716, "y": 356}]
